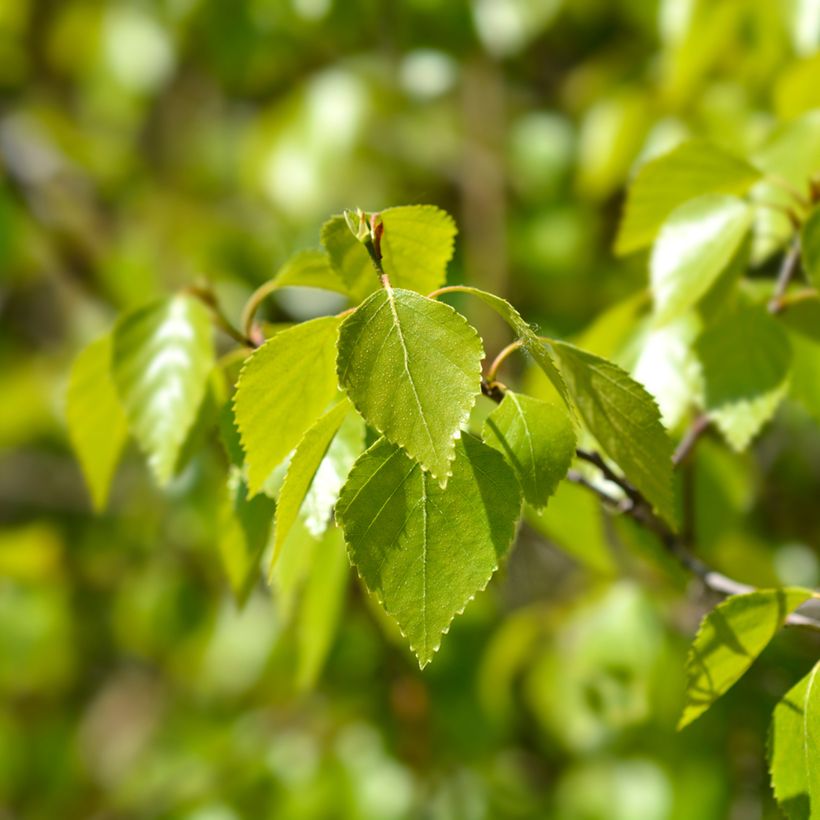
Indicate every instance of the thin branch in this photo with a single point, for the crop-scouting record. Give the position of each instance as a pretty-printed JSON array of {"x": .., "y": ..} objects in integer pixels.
[
  {"x": 501, "y": 357},
  {"x": 699, "y": 426},
  {"x": 787, "y": 271},
  {"x": 207, "y": 297}
]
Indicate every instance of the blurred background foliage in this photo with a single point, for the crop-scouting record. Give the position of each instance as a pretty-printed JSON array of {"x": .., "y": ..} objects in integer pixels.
[{"x": 148, "y": 145}]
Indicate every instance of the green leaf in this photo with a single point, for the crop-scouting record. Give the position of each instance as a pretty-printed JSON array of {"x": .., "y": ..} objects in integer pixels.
[
  {"x": 803, "y": 316},
  {"x": 695, "y": 245},
  {"x": 416, "y": 245},
  {"x": 320, "y": 607},
  {"x": 746, "y": 360},
  {"x": 531, "y": 343},
  {"x": 538, "y": 440},
  {"x": 810, "y": 247},
  {"x": 162, "y": 357},
  {"x": 794, "y": 749},
  {"x": 730, "y": 637},
  {"x": 625, "y": 420},
  {"x": 661, "y": 185},
  {"x": 97, "y": 425},
  {"x": 306, "y": 459},
  {"x": 283, "y": 388},
  {"x": 412, "y": 368},
  {"x": 805, "y": 381},
  {"x": 422, "y": 550},
  {"x": 308, "y": 269},
  {"x": 244, "y": 528}
]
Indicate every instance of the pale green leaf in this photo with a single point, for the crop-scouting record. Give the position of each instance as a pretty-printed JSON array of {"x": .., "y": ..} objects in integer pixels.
[
  {"x": 730, "y": 638},
  {"x": 244, "y": 527},
  {"x": 746, "y": 360},
  {"x": 320, "y": 608},
  {"x": 695, "y": 245},
  {"x": 302, "y": 468},
  {"x": 810, "y": 247},
  {"x": 97, "y": 425},
  {"x": 422, "y": 550},
  {"x": 805, "y": 381},
  {"x": 625, "y": 421},
  {"x": 538, "y": 440},
  {"x": 794, "y": 749},
  {"x": 309, "y": 269},
  {"x": 162, "y": 357},
  {"x": 412, "y": 368},
  {"x": 416, "y": 245},
  {"x": 661, "y": 185},
  {"x": 530, "y": 340},
  {"x": 283, "y": 388}
]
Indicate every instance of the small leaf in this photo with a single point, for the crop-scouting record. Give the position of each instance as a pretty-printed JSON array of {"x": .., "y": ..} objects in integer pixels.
[
  {"x": 422, "y": 550},
  {"x": 794, "y": 749},
  {"x": 412, "y": 368},
  {"x": 302, "y": 468},
  {"x": 97, "y": 425},
  {"x": 730, "y": 638},
  {"x": 625, "y": 420},
  {"x": 416, "y": 245},
  {"x": 538, "y": 441},
  {"x": 531, "y": 343},
  {"x": 746, "y": 360},
  {"x": 283, "y": 388},
  {"x": 810, "y": 247},
  {"x": 308, "y": 269},
  {"x": 661, "y": 185},
  {"x": 320, "y": 608},
  {"x": 244, "y": 527},
  {"x": 162, "y": 358},
  {"x": 695, "y": 245}
]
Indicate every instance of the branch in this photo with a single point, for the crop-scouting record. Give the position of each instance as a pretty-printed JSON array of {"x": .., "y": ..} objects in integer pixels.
[{"x": 787, "y": 271}]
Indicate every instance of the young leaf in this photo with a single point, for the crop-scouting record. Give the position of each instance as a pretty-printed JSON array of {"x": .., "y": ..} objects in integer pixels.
[
  {"x": 97, "y": 425},
  {"x": 244, "y": 527},
  {"x": 416, "y": 245},
  {"x": 528, "y": 337},
  {"x": 302, "y": 468},
  {"x": 696, "y": 244},
  {"x": 794, "y": 749},
  {"x": 283, "y": 388},
  {"x": 690, "y": 170},
  {"x": 538, "y": 440},
  {"x": 810, "y": 247},
  {"x": 422, "y": 550},
  {"x": 746, "y": 360},
  {"x": 162, "y": 357},
  {"x": 625, "y": 420},
  {"x": 308, "y": 269},
  {"x": 730, "y": 637},
  {"x": 412, "y": 367}
]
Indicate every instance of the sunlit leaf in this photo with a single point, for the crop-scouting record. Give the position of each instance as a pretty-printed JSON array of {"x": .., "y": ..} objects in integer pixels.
[
  {"x": 283, "y": 388},
  {"x": 538, "y": 441},
  {"x": 309, "y": 269},
  {"x": 422, "y": 550},
  {"x": 695, "y": 245},
  {"x": 730, "y": 637},
  {"x": 810, "y": 246},
  {"x": 97, "y": 425},
  {"x": 661, "y": 185},
  {"x": 412, "y": 368},
  {"x": 794, "y": 749},
  {"x": 162, "y": 357}
]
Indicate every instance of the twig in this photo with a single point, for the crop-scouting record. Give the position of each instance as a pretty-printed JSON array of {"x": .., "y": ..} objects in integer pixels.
[
  {"x": 787, "y": 271},
  {"x": 699, "y": 426}
]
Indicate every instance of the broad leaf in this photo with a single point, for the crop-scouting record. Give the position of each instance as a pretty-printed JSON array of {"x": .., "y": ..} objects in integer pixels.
[
  {"x": 531, "y": 343},
  {"x": 308, "y": 269},
  {"x": 810, "y": 247},
  {"x": 244, "y": 527},
  {"x": 537, "y": 439},
  {"x": 422, "y": 550},
  {"x": 746, "y": 360},
  {"x": 695, "y": 245},
  {"x": 794, "y": 749},
  {"x": 416, "y": 245},
  {"x": 802, "y": 315},
  {"x": 302, "y": 468},
  {"x": 625, "y": 421},
  {"x": 162, "y": 357},
  {"x": 412, "y": 368},
  {"x": 97, "y": 425},
  {"x": 283, "y": 388},
  {"x": 661, "y": 185},
  {"x": 730, "y": 637},
  {"x": 805, "y": 381}
]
